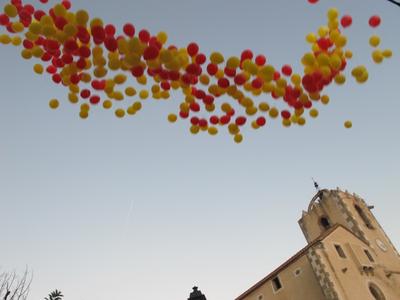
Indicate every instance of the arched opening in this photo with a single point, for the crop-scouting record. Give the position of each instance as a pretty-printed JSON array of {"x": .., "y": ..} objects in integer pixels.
[
  {"x": 363, "y": 216},
  {"x": 376, "y": 292},
  {"x": 324, "y": 221}
]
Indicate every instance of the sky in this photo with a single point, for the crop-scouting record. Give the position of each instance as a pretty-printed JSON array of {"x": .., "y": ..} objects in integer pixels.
[{"x": 140, "y": 209}]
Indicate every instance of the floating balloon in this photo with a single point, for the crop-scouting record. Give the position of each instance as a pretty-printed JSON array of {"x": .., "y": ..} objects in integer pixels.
[
  {"x": 348, "y": 124},
  {"x": 103, "y": 67},
  {"x": 346, "y": 21},
  {"x": 374, "y": 21}
]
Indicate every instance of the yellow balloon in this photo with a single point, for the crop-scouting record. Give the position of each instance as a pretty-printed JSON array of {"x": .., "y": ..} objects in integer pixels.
[
  {"x": 377, "y": 56},
  {"x": 340, "y": 79},
  {"x": 263, "y": 106},
  {"x": 38, "y": 68},
  {"x": 83, "y": 114},
  {"x": 119, "y": 113},
  {"x": 5, "y": 39},
  {"x": 144, "y": 94},
  {"x": 130, "y": 91},
  {"x": 137, "y": 105},
  {"x": 131, "y": 110},
  {"x": 238, "y": 138},
  {"x": 54, "y": 103},
  {"x": 233, "y": 128},
  {"x": 85, "y": 107},
  {"x": 212, "y": 130},
  {"x": 333, "y": 13},
  {"x": 286, "y": 122},
  {"x": 301, "y": 121},
  {"x": 325, "y": 99},
  {"x": 172, "y": 118},
  {"x": 194, "y": 129},
  {"x": 348, "y": 124},
  {"x": 387, "y": 53},
  {"x": 10, "y": 10},
  {"x": 314, "y": 113},
  {"x": 216, "y": 58},
  {"x": 17, "y": 26},
  {"x": 107, "y": 104},
  {"x": 162, "y": 37},
  {"x": 73, "y": 98},
  {"x": 273, "y": 113},
  {"x": 16, "y": 41},
  {"x": 374, "y": 41}
]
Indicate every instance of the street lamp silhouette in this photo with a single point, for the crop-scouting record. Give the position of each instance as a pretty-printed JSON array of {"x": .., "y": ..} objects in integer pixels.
[{"x": 196, "y": 294}]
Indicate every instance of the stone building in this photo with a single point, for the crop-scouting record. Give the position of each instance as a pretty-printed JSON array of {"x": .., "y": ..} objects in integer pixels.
[{"x": 348, "y": 256}]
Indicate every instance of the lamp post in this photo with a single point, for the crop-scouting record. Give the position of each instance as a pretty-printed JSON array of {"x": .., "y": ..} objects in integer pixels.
[{"x": 197, "y": 294}]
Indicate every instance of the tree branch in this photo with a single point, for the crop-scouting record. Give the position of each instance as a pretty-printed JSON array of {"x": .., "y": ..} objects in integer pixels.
[{"x": 394, "y": 2}]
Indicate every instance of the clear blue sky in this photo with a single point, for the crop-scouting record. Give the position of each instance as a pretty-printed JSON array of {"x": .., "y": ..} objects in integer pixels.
[{"x": 205, "y": 211}]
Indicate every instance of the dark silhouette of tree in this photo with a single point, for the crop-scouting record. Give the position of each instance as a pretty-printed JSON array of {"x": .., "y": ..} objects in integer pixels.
[
  {"x": 14, "y": 287},
  {"x": 394, "y": 2},
  {"x": 55, "y": 295}
]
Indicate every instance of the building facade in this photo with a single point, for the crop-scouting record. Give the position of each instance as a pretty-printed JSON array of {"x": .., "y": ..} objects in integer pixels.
[{"x": 348, "y": 256}]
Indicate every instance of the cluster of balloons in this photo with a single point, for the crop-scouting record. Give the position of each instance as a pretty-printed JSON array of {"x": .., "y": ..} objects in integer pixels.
[{"x": 97, "y": 64}]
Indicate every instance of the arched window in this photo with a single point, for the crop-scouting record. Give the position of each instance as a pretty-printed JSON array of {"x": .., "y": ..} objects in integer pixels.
[
  {"x": 325, "y": 222},
  {"x": 376, "y": 292},
  {"x": 364, "y": 217}
]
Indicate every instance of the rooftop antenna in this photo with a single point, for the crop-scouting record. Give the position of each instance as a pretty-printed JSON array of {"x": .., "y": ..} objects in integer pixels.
[{"x": 316, "y": 185}]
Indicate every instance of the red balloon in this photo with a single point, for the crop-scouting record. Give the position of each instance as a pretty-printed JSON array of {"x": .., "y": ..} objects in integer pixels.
[
  {"x": 66, "y": 4},
  {"x": 212, "y": 69},
  {"x": 201, "y": 58},
  {"x": 192, "y": 49},
  {"x": 194, "y": 120},
  {"x": 110, "y": 29},
  {"x": 240, "y": 79},
  {"x": 240, "y": 121},
  {"x": 287, "y": 70},
  {"x": 229, "y": 72},
  {"x": 111, "y": 43},
  {"x": 194, "y": 106},
  {"x": 313, "y": 1},
  {"x": 261, "y": 60},
  {"x": 183, "y": 114},
  {"x": 374, "y": 21},
  {"x": 203, "y": 123},
  {"x": 261, "y": 121},
  {"x": 225, "y": 119},
  {"x": 38, "y": 14},
  {"x": 223, "y": 82},
  {"x": 98, "y": 34},
  {"x": 129, "y": 29},
  {"x": 94, "y": 99},
  {"x": 214, "y": 120},
  {"x": 144, "y": 36},
  {"x": 346, "y": 21},
  {"x": 85, "y": 93},
  {"x": 247, "y": 54},
  {"x": 257, "y": 83},
  {"x": 285, "y": 114},
  {"x": 208, "y": 100}
]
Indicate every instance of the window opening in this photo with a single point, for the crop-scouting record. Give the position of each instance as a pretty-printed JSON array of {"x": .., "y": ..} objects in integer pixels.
[
  {"x": 371, "y": 259},
  {"x": 340, "y": 251},
  {"x": 364, "y": 217},
  {"x": 276, "y": 283},
  {"x": 325, "y": 223}
]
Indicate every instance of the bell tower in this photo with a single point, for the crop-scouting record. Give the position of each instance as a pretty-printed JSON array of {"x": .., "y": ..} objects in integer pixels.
[{"x": 331, "y": 207}]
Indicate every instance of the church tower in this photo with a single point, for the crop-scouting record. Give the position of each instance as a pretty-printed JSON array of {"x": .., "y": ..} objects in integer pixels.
[
  {"x": 348, "y": 256},
  {"x": 331, "y": 207}
]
